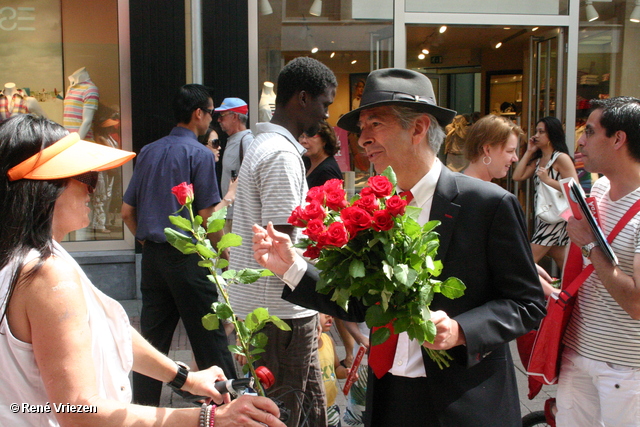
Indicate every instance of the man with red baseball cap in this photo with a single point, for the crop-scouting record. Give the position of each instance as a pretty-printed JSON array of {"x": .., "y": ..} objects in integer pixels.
[{"x": 233, "y": 121}]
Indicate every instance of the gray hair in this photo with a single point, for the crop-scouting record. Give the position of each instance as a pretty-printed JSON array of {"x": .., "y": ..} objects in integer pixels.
[
  {"x": 406, "y": 117},
  {"x": 243, "y": 118}
]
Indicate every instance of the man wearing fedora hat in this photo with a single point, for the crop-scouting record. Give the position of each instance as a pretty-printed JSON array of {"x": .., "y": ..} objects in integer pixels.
[{"x": 483, "y": 242}]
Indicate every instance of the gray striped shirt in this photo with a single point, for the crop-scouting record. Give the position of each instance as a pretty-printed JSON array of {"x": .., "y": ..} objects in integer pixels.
[{"x": 271, "y": 184}]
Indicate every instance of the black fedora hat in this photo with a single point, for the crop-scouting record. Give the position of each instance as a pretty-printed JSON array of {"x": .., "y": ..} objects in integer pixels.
[{"x": 397, "y": 86}]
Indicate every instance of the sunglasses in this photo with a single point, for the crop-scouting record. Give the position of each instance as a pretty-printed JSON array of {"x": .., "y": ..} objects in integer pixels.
[{"x": 88, "y": 178}]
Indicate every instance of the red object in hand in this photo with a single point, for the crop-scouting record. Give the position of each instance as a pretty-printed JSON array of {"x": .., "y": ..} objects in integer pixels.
[{"x": 265, "y": 376}]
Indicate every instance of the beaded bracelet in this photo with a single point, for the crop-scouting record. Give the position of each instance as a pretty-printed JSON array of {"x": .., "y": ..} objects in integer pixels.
[
  {"x": 203, "y": 415},
  {"x": 212, "y": 412}
]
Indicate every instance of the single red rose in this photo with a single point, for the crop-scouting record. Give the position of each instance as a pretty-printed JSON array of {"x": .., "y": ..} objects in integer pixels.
[
  {"x": 296, "y": 218},
  {"x": 312, "y": 252},
  {"x": 314, "y": 229},
  {"x": 183, "y": 192},
  {"x": 396, "y": 205},
  {"x": 380, "y": 185},
  {"x": 337, "y": 200},
  {"x": 336, "y": 235},
  {"x": 313, "y": 210},
  {"x": 355, "y": 219},
  {"x": 368, "y": 202},
  {"x": 382, "y": 220},
  {"x": 316, "y": 193}
]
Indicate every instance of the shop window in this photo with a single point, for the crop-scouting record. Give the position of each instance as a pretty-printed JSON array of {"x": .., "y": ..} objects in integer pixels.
[
  {"x": 62, "y": 56},
  {"x": 351, "y": 38},
  {"x": 516, "y": 7}
]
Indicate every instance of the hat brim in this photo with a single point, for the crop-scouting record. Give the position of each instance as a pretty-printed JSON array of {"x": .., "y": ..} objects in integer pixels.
[
  {"x": 79, "y": 157},
  {"x": 349, "y": 121}
]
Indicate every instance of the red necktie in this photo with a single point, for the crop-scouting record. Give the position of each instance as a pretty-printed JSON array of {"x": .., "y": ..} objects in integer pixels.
[
  {"x": 381, "y": 356},
  {"x": 408, "y": 195}
]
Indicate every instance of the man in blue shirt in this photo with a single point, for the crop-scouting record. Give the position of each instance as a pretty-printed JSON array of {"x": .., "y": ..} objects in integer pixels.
[{"x": 173, "y": 285}]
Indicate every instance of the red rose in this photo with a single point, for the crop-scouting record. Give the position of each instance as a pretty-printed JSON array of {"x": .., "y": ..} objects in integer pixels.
[
  {"x": 312, "y": 252},
  {"x": 316, "y": 193},
  {"x": 314, "y": 229},
  {"x": 396, "y": 205},
  {"x": 296, "y": 218},
  {"x": 337, "y": 200},
  {"x": 380, "y": 185},
  {"x": 355, "y": 219},
  {"x": 382, "y": 220},
  {"x": 183, "y": 192},
  {"x": 313, "y": 210},
  {"x": 336, "y": 235},
  {"x": 366, "y": 191},
  {"x": 368, "y": 202},
  {"x": 333, "y": 185}
]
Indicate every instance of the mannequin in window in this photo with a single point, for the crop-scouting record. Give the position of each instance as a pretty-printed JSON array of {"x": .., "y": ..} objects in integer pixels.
[
  {"x": 267, "y": 104},
  {"x": 80, "y": 104},
  {"x": 15, "y": 101}
]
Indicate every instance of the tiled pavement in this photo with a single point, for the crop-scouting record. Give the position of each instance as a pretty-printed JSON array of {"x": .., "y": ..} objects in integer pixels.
[{"x": 181, "y": 350}]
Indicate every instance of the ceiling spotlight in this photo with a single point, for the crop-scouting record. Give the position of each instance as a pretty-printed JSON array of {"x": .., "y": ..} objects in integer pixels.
[
  {"x": 421, "y": 56},
  {"x": 443, "y": 29},
  {"x": 354, "y": 61},
  {"x": 314, "y": 50},
  {"x": 265, "y": 7},
  {"x": 316, "y": 8},
  {"x": 635, "y": 14},
  {"x": 425, "y": 51},
  {"x": 592, "y": 13},
  {"x": 332, "y": 55},
  {"x": 498, "y": 45},
  {"x": 535, "y": 29}
]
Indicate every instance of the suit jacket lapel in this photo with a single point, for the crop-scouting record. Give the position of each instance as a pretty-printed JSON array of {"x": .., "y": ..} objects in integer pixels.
[{"x": 444, "y": 209}]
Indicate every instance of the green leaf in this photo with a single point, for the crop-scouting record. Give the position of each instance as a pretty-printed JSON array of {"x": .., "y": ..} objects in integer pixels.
[
  {"x": 413, "y": 212},
  {"x": 197, "y": 222},
  {"x": 390, "y": 174},
  {"x": 236, "y": 349},
  {"x": 179, "y": 241},
  {"x": 257, "y": 351},
  {"x": 262, "y": 314},
  {"x": 452, "y": 288},
  {"x": 215, "y": 225},
  {"x": 206, "y": 263},
  {"x": 376, "y": 316},
  {"x": 259, "y": 340},
  {"x": 181, "y": 222},
  {"x": 429, "y": 226},
  {"x": 224, "y": 311},
  {"x": 248, "y": 275},
  {"x": 356, "y": 268},
  {"x": 229, "y": 274},
  {"x": 416, "y": 332},
  {"x": 430, "y": 329},
  {"x": 411, "y": 228},
  {"x": 204, "y": 251},
  {"x": 385, "y": 297},
  {"x": 229, "y": 240},
  {"x": 380, "y": 336},
  {"x": 210, "y": 322},
  {"x": 222, "y": 263},
  {"x": 281, "y": 324},
  {"x": 387, "y": 269},
  {"x": 265, "y": 273}
]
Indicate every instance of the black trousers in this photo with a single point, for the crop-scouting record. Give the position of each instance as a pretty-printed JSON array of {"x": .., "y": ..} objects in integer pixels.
[{"x": 174, "y": 287}]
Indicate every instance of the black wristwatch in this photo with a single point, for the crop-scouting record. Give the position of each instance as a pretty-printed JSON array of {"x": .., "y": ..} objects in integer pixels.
[{"x": 181, "y": 376}]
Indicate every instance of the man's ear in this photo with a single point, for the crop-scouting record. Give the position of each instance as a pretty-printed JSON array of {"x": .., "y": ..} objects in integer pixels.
[
  {"x": 620, "y": 139},
  {"x": 421, "y": 128},
  {"x": 303, "y": 98}
]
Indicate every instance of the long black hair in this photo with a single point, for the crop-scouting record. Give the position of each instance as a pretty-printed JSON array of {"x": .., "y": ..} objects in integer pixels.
[
  {"x": 26, "y": 206},
  {"x": 556, "y": 136}
]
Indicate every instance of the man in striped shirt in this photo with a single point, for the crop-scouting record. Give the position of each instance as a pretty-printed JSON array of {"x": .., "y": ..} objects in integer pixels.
[
  {"x": 599, "y": 382},
  {"x": 271, "y": 183}
]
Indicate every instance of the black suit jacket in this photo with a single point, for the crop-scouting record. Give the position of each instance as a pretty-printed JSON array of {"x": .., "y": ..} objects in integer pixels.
[{"x": 483, "y": 242}]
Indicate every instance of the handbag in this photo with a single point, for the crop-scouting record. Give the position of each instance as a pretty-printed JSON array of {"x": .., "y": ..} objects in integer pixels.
[
  {"x": 544, "y": 363},
  {"x": 550, "y": 203}
]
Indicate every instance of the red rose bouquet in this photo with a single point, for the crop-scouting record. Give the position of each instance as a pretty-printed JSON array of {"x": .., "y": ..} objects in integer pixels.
[{"x": 374, "y": 249}]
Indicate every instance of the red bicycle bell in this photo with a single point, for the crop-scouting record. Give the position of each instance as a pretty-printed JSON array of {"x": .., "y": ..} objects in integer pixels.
[{"x": 265, "y": 376}]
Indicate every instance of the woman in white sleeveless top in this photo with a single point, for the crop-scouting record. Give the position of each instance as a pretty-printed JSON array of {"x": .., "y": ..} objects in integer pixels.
[{"x": 64, "y": 345}]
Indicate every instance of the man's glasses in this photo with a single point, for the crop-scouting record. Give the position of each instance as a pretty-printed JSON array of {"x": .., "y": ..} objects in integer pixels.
[
  {"x": 225, "y": 114},
  {"x": 206, "y": 110},
  {"x": 88, "y": 178}
]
